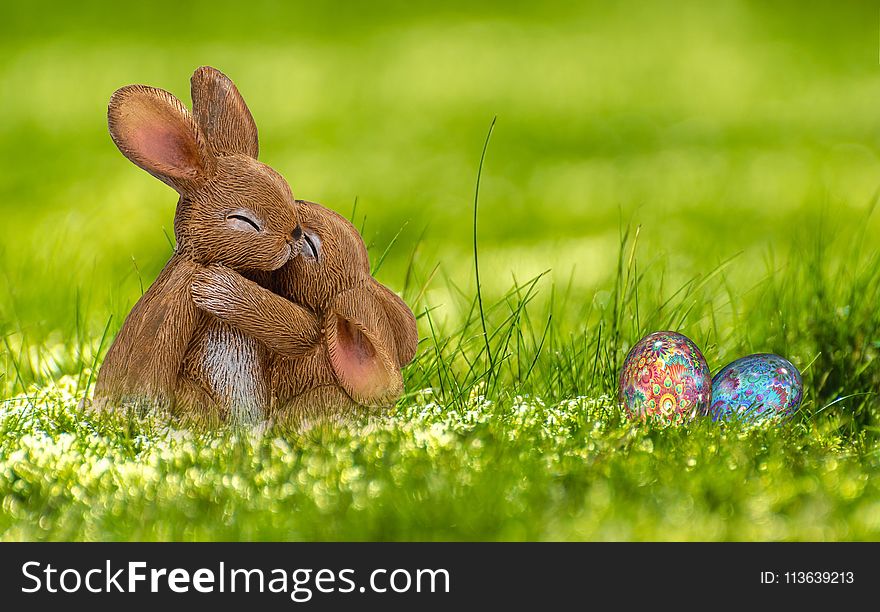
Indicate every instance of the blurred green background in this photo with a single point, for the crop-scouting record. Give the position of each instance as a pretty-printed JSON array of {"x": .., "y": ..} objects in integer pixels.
[
  {"x": 739, "y": 127},
  {"x": 710, "y": 168}
]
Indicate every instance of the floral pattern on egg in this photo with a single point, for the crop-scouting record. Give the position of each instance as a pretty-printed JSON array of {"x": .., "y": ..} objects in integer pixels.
[
  {"x": 665, "y": 377},
  {"x": 756, "y": 388}
]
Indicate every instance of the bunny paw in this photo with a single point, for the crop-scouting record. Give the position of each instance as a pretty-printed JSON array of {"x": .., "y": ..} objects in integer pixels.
[{"x": 212, "y": 285}]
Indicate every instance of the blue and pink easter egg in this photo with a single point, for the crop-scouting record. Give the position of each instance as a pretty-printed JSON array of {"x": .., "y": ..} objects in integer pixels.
[
  {"x": 756, "y": 388},
  {"x": 665, "y": 377}
]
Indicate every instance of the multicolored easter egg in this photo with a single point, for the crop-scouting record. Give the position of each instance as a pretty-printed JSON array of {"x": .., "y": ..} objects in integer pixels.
[
  {"x": 665, "y": 376},
  {"x": 756, "y": 388}
]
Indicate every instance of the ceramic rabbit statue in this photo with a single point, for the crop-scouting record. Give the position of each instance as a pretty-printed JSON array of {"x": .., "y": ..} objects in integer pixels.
[
  {"x": 367, "y": 332},
  {"x": 233, "y": 210}
]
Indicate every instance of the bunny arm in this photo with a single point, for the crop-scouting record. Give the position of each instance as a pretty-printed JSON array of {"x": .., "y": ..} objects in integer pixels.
[
  {"x": 284, "y": 327},
  {"x": 146, "y": 355}
]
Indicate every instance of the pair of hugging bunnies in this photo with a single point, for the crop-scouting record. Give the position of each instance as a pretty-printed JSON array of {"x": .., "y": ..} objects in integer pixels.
[{"x": 267, "y": 311}]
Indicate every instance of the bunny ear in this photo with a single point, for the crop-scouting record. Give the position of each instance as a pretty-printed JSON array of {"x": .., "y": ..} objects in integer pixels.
[
  {"x": 154, "y": 130},
  {"x": 222, "y": 114},
  {"x": 360, "y": 344},
  {"x": 402, "y": 321}
]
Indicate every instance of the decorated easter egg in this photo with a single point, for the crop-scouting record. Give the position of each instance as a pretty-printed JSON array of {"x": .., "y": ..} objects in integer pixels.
[
  {"x": 665, "y": 376},
  {"x": 756, "y": 388}
]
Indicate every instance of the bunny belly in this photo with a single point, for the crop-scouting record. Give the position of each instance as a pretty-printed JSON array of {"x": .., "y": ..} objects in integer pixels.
[
  {"x": 228, "y": 367},
  {"x": 306, "y": 388},
  {"x": 292, "y": 376}
]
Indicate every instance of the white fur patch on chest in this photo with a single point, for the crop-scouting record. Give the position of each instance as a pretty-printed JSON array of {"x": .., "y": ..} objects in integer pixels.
[{"x": 234, "y": 374}]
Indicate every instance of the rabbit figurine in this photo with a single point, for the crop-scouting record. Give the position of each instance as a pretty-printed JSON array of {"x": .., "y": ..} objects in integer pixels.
[
  {"x": 367, "y": 332},
  {"x": 233, "y": 210}
]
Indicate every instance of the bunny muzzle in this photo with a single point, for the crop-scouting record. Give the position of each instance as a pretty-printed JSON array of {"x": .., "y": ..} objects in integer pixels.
[{"x": 288, "y": 247}]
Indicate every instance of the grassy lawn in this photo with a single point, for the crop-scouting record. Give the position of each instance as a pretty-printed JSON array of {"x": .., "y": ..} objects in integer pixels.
[{"x": 710, "y": 170}]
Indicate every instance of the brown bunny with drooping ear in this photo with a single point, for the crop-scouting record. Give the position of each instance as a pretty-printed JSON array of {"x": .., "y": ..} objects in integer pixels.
[
  {"x": 367, "y": 333},
  {"x": 234, "y": 211}
]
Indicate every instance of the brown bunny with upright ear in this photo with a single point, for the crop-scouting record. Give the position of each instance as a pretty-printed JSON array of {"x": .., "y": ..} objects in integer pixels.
[
  {"x": 234, "y": 211},
  {"x": 367, "y": 333}
]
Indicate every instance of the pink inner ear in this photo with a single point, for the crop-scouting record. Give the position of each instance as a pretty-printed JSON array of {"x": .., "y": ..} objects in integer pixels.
[
  {"x": 356, "y": 362},
  {"x": 165, "y": 149}
]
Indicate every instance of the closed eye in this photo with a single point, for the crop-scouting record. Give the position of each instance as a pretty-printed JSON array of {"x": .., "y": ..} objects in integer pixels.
[
  {"x": 311, "y": 248},
  {"x": 242, "y": 222}
]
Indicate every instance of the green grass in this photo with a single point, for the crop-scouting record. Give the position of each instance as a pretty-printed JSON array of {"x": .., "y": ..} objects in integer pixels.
[
  {"x": 527, "y": 444},
  {"x": 517, "y": 470},
  {"x": 713, "y": 171}
]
